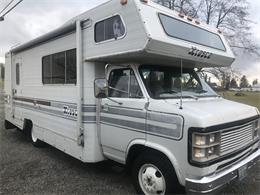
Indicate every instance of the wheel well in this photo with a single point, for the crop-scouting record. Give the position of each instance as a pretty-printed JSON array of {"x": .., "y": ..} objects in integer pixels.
[
  {"x": 136, "y": 150},
  {"x": 139, "y": 149},
  {"x": 27, "y": 127}
]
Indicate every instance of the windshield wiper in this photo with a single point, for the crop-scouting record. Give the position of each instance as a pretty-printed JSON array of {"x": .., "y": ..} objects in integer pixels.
[
  {"x": 170, "y": 91},
  {"x": 191, "y": 96},
  {"x": 201, "y": 91}
]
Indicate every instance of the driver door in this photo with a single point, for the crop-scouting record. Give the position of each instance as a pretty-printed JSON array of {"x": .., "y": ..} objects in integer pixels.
[{"x": 123, "y": 114}]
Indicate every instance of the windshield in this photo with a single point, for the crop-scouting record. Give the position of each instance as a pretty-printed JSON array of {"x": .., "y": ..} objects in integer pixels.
[{"x": 164, "y": 82}]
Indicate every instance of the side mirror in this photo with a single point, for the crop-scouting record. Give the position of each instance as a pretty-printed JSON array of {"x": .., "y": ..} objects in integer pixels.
[{"x": 101, "y": 89}]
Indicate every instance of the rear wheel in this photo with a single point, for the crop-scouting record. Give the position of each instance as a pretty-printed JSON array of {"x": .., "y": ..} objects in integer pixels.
[
  {"x": 154, "y": 174},
  {"x": 35, "y": 141},
  {"x": 30, "y": 134}
]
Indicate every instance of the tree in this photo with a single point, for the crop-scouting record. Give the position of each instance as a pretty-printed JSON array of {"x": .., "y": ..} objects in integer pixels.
[
  {"x": 224, "y": 75},
  {"x": 244, "y": 82},
  {"x": 183, "y": 6},
  {"x": 233, "y": 83},
  {"x": 255, "y": 82}
]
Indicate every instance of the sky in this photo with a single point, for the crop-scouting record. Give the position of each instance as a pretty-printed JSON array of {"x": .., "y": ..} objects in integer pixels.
[{"x": 33, "y": 18}]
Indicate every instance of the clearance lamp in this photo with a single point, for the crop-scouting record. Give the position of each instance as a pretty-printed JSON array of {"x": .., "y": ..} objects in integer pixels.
[{"x": 123, "y": 2}]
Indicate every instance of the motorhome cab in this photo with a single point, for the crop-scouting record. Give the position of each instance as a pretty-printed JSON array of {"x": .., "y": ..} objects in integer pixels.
[{"x": 121, "y": 82}]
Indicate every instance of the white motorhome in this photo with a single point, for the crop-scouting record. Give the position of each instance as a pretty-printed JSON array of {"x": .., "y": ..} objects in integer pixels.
[{"x": 122, "y": 82}]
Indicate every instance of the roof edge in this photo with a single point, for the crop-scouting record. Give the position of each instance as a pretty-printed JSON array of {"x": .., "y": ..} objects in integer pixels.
[{"x": 46, "y": 37}]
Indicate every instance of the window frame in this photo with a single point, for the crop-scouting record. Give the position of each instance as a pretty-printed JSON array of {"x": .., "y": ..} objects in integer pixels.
[
  {"x": 165, "y": 31},
  {"x": 129, "y": 83},
  {"x": 112, "y": 39},
  {"x": 65, "y": 70}
]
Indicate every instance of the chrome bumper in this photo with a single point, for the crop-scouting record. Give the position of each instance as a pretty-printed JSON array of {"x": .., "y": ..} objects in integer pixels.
[{"x": 210, "y": 183}]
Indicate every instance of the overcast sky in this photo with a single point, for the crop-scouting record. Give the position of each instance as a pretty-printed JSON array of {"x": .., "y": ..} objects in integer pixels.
[{"x": 33, "y": 18}]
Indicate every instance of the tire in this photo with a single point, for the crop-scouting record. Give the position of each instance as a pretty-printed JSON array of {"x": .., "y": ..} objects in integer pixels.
[
  {"x": 30, "y": 135},
  {"x": 35, "y": 141},
  {"x": 153, "y": 173}
]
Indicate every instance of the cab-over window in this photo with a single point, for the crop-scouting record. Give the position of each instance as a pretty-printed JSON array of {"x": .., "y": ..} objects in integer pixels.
[{"x": 109, "y": 29}]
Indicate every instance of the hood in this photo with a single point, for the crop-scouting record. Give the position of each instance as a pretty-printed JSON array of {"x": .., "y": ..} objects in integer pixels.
[{"x": 205, "y": 112}]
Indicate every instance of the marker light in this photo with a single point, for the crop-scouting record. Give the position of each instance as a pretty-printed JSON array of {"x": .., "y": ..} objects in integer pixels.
[
  {"x": 181, "y": 15},
  {"x": 123, "y": 2},
  {"x": 197, "y": 22},
  {"x": 189, "y": 18}
]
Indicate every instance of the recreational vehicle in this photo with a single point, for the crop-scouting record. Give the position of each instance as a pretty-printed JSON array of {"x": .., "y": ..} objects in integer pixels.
[{"x": 122, "y": 82}]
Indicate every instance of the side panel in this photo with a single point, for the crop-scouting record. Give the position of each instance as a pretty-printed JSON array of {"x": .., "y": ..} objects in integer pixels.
[
  {"x": 52, "y": 107},
  {"x": 134, "y": 39}
]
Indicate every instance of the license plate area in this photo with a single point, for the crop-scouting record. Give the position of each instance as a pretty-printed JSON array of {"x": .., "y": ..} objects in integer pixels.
[{"x": 242, "y": 172}]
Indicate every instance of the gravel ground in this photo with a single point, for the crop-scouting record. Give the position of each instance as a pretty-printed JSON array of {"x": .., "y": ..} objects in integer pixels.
[{"x": 25, "y": 169}]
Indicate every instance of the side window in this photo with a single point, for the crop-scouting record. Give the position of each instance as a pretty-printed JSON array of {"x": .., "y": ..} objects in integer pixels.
[
  {"x": 46, "y": 70},
  {"x": 60, "y": 68},
  {"x": 17, "y": 69},
  {"x": 123, "y": 84},
  {"x": 71, "y": 64},
  {"x": 111, "y": 28}
]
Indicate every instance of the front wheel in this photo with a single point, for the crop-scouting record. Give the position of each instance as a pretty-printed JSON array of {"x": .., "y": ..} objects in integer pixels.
[{"x": 154, "y": 175}]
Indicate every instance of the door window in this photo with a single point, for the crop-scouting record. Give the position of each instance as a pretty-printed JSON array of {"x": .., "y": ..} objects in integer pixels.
[
  {"x": 17, "y": 70},
  {"x": 123, "y": 84}
]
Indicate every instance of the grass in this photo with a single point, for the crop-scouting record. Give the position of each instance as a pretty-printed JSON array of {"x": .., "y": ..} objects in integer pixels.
[
  {"x": 250, "y": 98},
  {"x": 1, "y": 84}
]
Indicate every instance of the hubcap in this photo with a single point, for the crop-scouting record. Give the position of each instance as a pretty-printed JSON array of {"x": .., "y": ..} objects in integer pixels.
[
  {"x": 151, "y": 180},
  {"x": 34, "y": 138}
]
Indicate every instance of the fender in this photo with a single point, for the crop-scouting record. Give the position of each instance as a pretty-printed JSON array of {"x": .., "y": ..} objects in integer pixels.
[{"x": 161, "y": 149}]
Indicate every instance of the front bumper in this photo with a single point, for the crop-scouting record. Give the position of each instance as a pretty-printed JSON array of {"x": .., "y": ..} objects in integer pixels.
[{"x": 212, "y": 182}]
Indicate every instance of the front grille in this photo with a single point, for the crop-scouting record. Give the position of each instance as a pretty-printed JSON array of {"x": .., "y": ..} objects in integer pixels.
[{"x": 236, "y": 138}]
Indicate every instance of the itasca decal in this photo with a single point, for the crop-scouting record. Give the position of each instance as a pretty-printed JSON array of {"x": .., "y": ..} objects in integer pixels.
[
  {"x": 199, "y": 53},
  {"x": 69, "y": 111}
]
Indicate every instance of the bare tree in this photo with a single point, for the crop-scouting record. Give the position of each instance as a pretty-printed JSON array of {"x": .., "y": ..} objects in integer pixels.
[{"x": 184, "y": 6}]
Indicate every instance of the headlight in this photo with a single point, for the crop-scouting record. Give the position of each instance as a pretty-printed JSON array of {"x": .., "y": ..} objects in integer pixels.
[
  {"x": 256, "y": 128},
  {"x": 205, "y": 146},
  {"x": 200, "y": 140}
]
